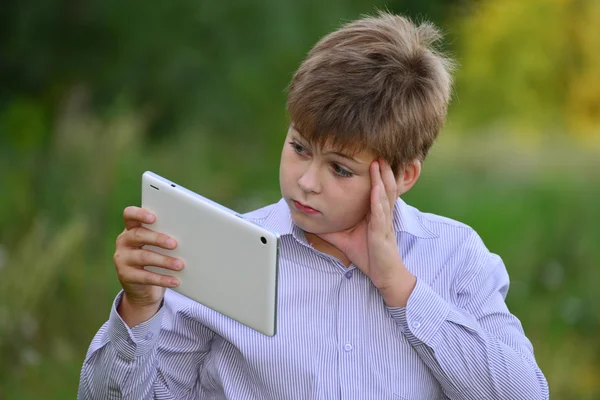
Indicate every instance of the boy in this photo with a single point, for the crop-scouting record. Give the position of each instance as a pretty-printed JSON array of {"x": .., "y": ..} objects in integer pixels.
[{"x": 376, "y": 299}]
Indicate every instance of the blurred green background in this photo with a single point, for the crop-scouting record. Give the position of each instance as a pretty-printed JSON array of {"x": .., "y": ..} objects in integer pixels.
[{"x": 93, "y": 93}]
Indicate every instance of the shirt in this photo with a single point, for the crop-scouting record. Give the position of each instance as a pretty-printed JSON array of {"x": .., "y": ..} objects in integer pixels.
[{"x": 336, "y": 338}]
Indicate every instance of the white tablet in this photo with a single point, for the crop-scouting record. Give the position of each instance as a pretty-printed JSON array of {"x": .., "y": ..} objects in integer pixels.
[{"x": 230, "y": 263}]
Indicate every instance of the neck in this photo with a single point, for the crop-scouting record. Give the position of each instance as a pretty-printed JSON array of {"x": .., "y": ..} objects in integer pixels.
[{"x": 325, "y": 247}]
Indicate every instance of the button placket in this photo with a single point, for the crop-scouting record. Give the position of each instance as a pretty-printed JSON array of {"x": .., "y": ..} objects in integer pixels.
[{"x": 351, "y": 297}]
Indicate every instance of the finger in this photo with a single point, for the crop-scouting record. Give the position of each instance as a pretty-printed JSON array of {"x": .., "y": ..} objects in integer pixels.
[
  {"x": 136, "y": 216},
  {"x": 376, "y": 180},
  {"x": 140, "y": 236},
  {"x": 143, "y": 277},
  {"x": 377, "y": 198},
  {"x": 389, "y": 181},
  {"x": 144, "y": 258}
]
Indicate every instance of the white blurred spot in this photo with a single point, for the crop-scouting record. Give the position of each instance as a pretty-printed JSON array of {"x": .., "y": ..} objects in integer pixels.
[
  {"x": 29, "y": 326},
  {"x": 553, "y": 275},
  {"x": 572, "y": 310},
  {"x": 30, "y": 357}
]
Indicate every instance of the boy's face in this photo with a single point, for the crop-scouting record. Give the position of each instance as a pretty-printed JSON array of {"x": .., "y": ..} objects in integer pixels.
[{"x": 325, "y": 191}]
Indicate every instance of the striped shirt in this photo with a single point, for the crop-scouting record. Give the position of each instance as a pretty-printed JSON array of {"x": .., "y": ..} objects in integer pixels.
[{"x": 336, "y": 338}]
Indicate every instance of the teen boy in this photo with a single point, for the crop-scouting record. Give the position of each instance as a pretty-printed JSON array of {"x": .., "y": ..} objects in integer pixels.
[{"x": 377, "y": 300}]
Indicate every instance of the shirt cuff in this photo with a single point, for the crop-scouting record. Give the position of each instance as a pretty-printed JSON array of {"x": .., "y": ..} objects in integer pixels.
[
  {"x": 423, "y": 316},
  {"x": 136, "y": 341}
]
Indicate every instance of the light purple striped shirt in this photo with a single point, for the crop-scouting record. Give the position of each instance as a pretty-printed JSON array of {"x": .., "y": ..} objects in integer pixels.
[{"x": 336, "y": 339}]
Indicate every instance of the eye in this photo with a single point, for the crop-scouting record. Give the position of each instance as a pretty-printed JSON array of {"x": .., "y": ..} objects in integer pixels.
[
  {"x": 342, "y": 172},
  {"x": 298, "y": 148}
]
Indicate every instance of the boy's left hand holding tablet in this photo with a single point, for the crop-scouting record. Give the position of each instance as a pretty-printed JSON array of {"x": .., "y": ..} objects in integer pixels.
[{"x": 372, "y": 246}]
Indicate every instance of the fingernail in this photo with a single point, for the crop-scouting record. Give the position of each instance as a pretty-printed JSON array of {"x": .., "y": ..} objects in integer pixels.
[
  {"x": 171, "y": 243},
  {"x": 176, "y": 263},
  {"x": 174, "y": 282},
  {"x": 149, "y": 218}
]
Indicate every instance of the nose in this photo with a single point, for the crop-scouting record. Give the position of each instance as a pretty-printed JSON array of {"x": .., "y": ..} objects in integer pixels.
[{"x": 309, "y": 181}]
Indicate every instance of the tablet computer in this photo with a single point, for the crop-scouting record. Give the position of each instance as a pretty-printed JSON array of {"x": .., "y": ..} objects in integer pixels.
[{"x": 231, "y": 264}]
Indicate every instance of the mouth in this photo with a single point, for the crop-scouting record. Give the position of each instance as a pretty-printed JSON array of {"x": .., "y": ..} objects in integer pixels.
[{"x": 304, "y": 208}]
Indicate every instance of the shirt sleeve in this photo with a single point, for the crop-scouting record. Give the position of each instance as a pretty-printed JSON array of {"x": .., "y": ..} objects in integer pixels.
[
  {"x": 473, "y": 345},
  {"x": 158, "y": 359}
]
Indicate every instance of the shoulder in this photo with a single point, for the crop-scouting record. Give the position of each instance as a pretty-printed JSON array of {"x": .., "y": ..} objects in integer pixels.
[
  {"x": 455, "y": 235},
  {"x": 275, "y": 217},
  {"x": 458, "y": 246},
  {"x": 260, "y": 213},
  {"x": 433, "y": 226},
  {"x": 446, "y": 229}
]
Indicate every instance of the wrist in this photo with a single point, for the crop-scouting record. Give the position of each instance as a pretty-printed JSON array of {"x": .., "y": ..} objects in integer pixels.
[
  {"x": 398, "y": 291},
  {"x": 133, "y": 313}
]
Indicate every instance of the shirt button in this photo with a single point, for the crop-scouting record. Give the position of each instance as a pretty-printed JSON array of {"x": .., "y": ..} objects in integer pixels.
[
  {"x": 349, "y": 274},
  {"x": 416, "y": 324},
  {"x": 348, "y": 347},
  {"x": 130, "y": 340},
  {"x": 149, "y": 335}
]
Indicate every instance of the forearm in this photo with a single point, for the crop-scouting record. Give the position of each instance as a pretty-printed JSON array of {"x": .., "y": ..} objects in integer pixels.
[
  {"x": 142, "y": 362},
  {"x": 107, "y": 375},
  {"x": 118, "y": 366},
  {"x": 472, "y": 364},
  {"x": 468, "y": 359}
]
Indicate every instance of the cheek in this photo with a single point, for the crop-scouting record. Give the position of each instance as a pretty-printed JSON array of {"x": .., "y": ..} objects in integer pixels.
[
  {"x": 286, "y": 167},
  {"x": 361, "y": 205},
  {"x": 353, "y": 207}
]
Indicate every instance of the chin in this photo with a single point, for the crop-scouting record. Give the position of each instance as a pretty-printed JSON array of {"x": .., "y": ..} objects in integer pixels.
[
  {"x": 309, "y": 227},
  {"x": 304, "y": 225},
  {"x": 316, "y": 229}
]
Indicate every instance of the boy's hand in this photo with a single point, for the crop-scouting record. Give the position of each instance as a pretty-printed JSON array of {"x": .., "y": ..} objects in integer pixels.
[
  {"x": 371, "y": 245},
  {"x": 144, "y": 290}
]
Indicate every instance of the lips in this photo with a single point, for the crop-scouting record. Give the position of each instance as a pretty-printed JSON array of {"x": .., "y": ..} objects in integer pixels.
[{"x": 304, "y": 208}]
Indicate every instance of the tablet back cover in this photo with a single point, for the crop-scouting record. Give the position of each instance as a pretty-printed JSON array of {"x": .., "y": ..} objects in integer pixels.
[{"x": 230, "y": 263}]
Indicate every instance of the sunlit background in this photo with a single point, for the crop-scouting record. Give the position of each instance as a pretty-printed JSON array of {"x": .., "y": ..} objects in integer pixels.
[{"x": 93, "y": 93}]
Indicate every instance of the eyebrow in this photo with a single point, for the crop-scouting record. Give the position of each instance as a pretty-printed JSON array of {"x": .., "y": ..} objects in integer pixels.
[
  {"x": 296, "y": 135},
  {"x": 337, "y": 153}
]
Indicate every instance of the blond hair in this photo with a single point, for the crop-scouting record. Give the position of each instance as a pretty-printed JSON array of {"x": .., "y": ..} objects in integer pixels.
[{"x": 378, "y": 84}]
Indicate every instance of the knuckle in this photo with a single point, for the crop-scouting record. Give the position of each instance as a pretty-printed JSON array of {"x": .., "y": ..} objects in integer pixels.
[
  {"x": 119, "y": 258},
  {"x": 120, "y": 274},
  {"x": 160, "y": 261},
  {"x": 145, "y": 257},
  {"x": 149, "y": 279},
  {"x": 137, "y": 233},
  {"x": 120, "y": 238}
]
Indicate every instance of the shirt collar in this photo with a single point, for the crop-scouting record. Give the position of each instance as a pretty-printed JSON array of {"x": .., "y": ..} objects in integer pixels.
[
  {"x": 280, "y": 219},
  {"x": 406, "y": 219}
]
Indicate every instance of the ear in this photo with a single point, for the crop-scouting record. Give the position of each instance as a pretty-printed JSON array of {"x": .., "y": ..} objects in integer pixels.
[{"x": 408, "y": 176}]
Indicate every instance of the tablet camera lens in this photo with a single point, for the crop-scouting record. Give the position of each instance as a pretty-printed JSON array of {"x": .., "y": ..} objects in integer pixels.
[
  {"x": 263, "y": 240},
  {"x": 172, "y": 185}
]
